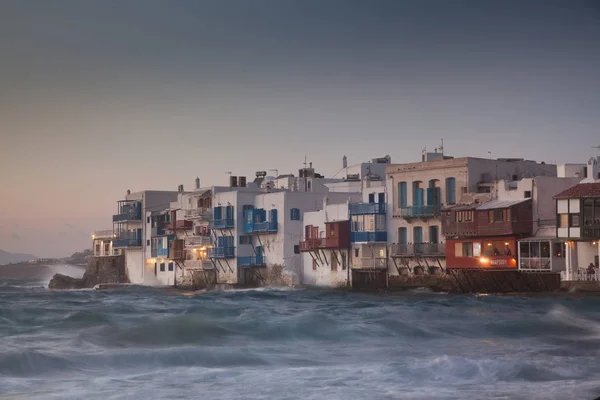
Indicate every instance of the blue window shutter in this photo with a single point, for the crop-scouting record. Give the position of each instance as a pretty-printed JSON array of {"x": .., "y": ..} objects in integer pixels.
[
  {"x": 403, "y": 194},
  {"x": 418, "y": 234},
  {"x": 450, "y": 190},
  {"x": 418, "y": 198},
  {"x": 429, "y": 196},
  {"x": 273, "y": 215},
  {"x": 381, "y": 199},
  {"x": 402, "y": 239}
]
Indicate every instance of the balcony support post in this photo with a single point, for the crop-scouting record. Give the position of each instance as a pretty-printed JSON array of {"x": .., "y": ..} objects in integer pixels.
[{"x": 324, "y": 256}]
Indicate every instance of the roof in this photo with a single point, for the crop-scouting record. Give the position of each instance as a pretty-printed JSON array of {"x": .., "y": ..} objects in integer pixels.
[
  {"x": 581, "y": 190},
  {"x": 496, "y": 204},
  {"x": 541, "y": 239}
]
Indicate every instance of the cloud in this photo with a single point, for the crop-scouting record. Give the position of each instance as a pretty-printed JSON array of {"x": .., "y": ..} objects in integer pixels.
[{"x": 15, "y": 236}]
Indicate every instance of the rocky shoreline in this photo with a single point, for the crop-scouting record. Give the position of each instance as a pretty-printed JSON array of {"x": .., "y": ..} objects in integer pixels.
[{"x": 100, "y": 270}]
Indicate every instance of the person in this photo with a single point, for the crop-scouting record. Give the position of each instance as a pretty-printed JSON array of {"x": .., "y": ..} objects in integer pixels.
[
  {"x": 507, "y": 251},
  {"x": 591, "y": 269}
]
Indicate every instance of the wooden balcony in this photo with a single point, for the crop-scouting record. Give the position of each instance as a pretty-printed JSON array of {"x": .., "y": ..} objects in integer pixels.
[
  {"x": 179, "y": 225},
  {"x": 590, "y": 232}
]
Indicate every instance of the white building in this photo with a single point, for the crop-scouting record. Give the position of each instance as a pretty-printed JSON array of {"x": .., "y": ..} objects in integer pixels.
[
  {"x": 542, "y": 251},
  {"x": 102, "y": 243},
  {"x": 418, "y": 191},
  {"x": 132, "y": 227},
  {"x": 350, "y": 234},
  {"x": 578, "y": 216}
]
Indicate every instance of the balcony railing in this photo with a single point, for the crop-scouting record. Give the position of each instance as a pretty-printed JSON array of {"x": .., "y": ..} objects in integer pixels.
[
  {"x": 159, "y": 252},
  {"x": 221, "y": 252},
  {"x": 366, "y": 208},
  {"x": 199, "y": 213},
  {"x": 368, "y": 237},
  {"x": 199, "y": 264},
  {"x": 129, "y": 213},
  {"x": 224, "y": 223},
  {"x": 590, "y": 231},
  {"x": 179, "y": 224},
  {"x": 105, "y": 234},
  {"x": 420, "y": 211},
  {"x": 418, "y": 249},
  {"x": 251, "y": 261},
  {"x": 581, "y": 275},
  {"x": 312, "y": 244},
  {"x": 126, "y": 241},
  {"x": 535, "y": 263},
  {"x": 262, "y": 227},
  {"x": 200, "y": 240}
]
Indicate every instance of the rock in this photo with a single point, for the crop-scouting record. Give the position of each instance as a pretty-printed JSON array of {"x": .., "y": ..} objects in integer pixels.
[
  {"x": 100, "y": 270},
  {"x": 60, "y": 281}
]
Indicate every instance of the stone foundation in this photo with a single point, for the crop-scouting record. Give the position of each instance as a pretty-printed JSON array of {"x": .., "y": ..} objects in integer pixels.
[
  {"x": 197, "y": 279},
  {"x": 100, "y": 270}
]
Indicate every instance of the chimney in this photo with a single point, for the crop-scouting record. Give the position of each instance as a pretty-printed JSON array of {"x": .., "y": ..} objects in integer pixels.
[{"x": 197, "y": 182}]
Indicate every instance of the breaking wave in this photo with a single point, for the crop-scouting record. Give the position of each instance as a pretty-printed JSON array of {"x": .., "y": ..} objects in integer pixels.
[{"x": 294, "y": 344}]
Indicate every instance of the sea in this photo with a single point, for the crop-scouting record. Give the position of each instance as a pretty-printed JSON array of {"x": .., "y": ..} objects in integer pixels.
[{"x": 277, "y": 343}]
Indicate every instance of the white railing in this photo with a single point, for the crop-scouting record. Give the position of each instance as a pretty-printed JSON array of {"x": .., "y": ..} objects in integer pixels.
[
  {"x": 199, "y": 240},
  {"x": 581, "y": 275},
  {"x": 535, "y": 264},
  {"x": 104, "y": 234},
  {"x": 204, "y": 213}
]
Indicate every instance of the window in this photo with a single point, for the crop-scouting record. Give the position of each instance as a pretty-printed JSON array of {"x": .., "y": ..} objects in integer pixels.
[
  {"x": 434, "y": 236},
  {"x": 98, "y": 247},
  {"x": 574, "y": 220},
  {"x": 417, "y": 193},
  {"x": 597, "y": 211},
  {"x": 171, "y": 266},
  {"x": 371, "y": 198},
  {"x": 497, "y": 216},
  {"x": 402, "y": 237},
  {"x": 563, "y": 220},
  {"x": 356, "y": 252},
  {"x": 245, "y": 239},
  {"x": 417, "y": 234},
  {"x": 296, "y": 249},
  {"x": 106, "y": 248},
  {"x": 463, "y": 249},
  {"x": 155, "y": 269},
  {"x": 295, "y": 214},
  {"x": 162, "y": 267},
  {"x": 380, "y": 223},
  {"x": 499, "y": 248},
  {"x": 515, "y": 177},
  {"x": 588, "y": 211},
  {"x": 148, "y": 220},
  {"x": 450, "y": 191},
  {"x": 148, "y": 242},
  {"x": 476, "y": 249},
  {"x": 467, "y": 249},
  {"x": 402, "y": 194},
  {"x": 527, "y": 194}
]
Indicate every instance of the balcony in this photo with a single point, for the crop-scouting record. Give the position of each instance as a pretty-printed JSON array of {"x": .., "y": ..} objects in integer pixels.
[
  {"x": 367, "y": 237},
  {"x": 251, "y": 261},
  {"x": 180, "y": 225},
  {"x": 127, "y": 239},
  {"x": 199, "y": 240},
  {"x": 105, "y": 234},
  {"x": 312, "y": 244},
  {"x": 429, "y": 211},
  {"x": 199, "y": 264},
  {"x": 261, "y": 227},
  {"x": 129, "y": 212},
  {"x": 504, "y": 228},
  {"x": 159, "y": 252},
  {"x": 366, "y": 208},
  {"x": 223, "y": 223},
  {"x": 199, "y": 213},
  {"x": 590, "y": 231},
  {"x": 373, "y": 263},
  {"x": 221, "y": 252},
  {"x": 419, "y": 250}
]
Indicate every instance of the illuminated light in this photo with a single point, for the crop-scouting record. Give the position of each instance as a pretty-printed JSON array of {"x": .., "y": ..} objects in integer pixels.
[
  {"x": 506, "y": 243},
  {"x": 489, "y": 244},
  {"x": 202, "y": 248},
  {"x": 483, "y": 260},
  {"x": 93, "y": 236}
]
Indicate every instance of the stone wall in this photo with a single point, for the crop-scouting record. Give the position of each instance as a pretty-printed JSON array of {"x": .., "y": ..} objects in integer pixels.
[
  {"x": 109, "y": 269},
  {"x": 197, "y": 279}
]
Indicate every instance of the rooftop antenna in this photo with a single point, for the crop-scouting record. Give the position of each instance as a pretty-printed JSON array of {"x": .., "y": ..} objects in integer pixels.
[
  {"x": 490, "y": 154},
  {"x": 441, "y": 148}
]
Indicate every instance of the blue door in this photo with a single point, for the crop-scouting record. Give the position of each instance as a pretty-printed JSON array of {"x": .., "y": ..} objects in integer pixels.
[
  {"x": 417, "y": 234},
  {"x": 402, "y": 239},
  {"x": 259, "y": 254},
  {"x": 402, "y": 194},
  {"x": 381, "y": 198},
  {"x": 434, "y": 234}
]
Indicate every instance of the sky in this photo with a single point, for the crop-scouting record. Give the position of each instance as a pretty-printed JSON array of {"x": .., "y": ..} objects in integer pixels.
[{"x": 97, "y": 97}]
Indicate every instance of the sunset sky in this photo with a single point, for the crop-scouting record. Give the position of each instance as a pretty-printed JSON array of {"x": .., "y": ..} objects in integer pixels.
[{"x": 100, "y": 97}]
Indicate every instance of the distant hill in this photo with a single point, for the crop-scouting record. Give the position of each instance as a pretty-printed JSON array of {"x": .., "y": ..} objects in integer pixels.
[{"x": 8, "y": 258}]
